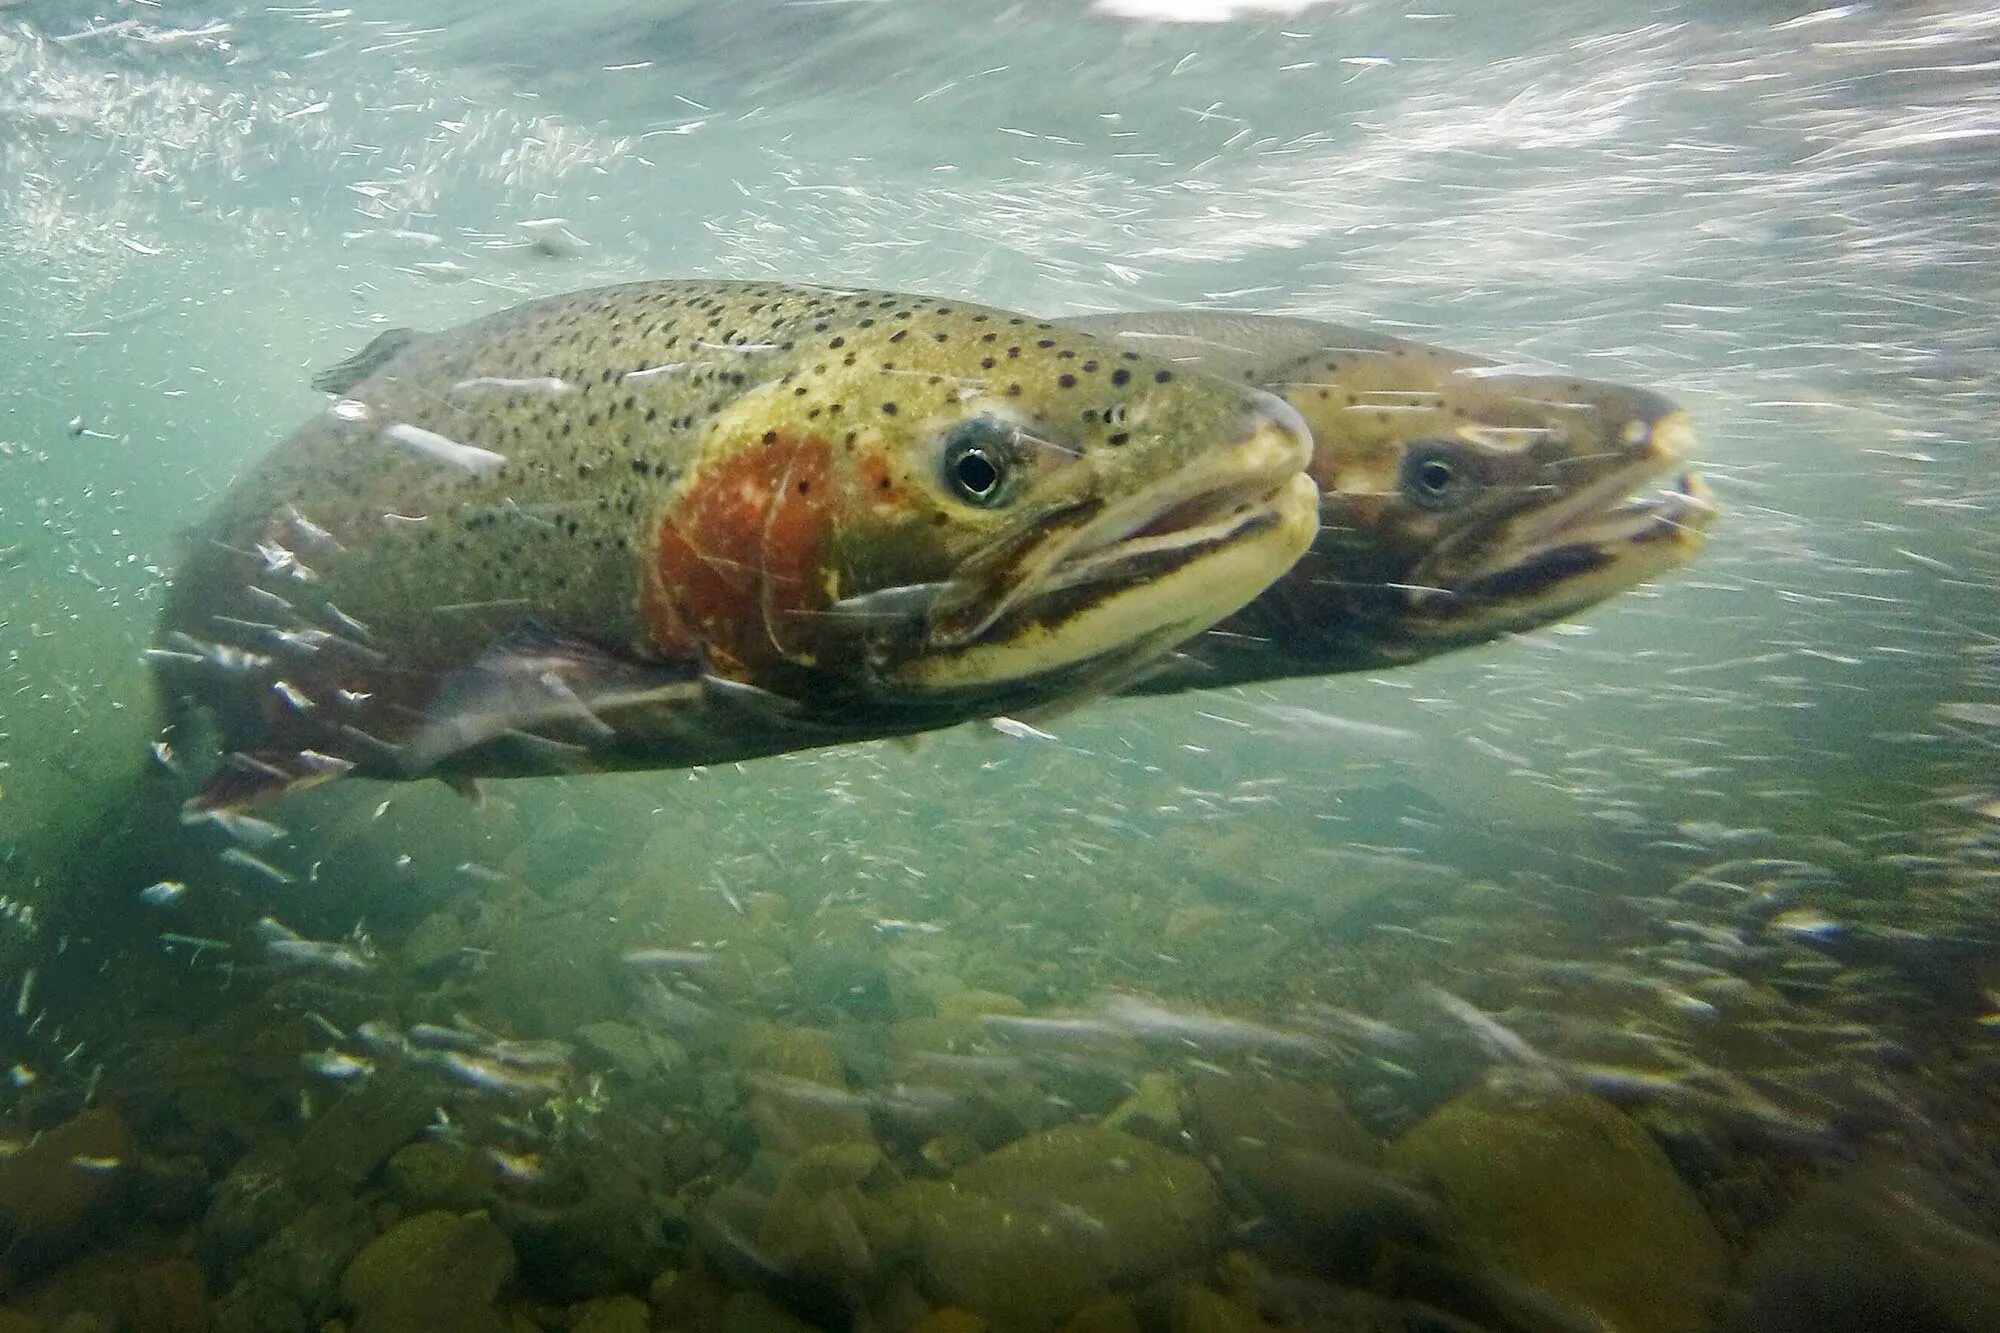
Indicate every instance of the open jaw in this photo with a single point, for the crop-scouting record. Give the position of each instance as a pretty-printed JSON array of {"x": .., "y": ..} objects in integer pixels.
[
  {"x": 1629, "y": 525},
  {"x": 1133, "y": 575}
]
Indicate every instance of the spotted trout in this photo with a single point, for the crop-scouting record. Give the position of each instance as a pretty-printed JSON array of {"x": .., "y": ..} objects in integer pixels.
[
  {"x": 1459, "y": 500},
  {"x": 673, "y": 523}
]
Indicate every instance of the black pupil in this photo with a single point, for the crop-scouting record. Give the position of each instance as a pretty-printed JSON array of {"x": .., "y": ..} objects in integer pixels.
[
  {"x": 1435, "y": 475},
  {"x": 976, "y": 473}
]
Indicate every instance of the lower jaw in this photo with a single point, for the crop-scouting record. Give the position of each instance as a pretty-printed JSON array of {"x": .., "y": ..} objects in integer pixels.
[{"x": 1137, "y": 600}]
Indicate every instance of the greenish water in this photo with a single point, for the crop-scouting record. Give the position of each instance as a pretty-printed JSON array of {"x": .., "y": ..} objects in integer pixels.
[{"x": 1637, "y": 972}]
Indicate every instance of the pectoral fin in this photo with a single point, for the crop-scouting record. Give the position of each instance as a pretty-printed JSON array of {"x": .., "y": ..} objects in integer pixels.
[{"x": 540, "y": 683}]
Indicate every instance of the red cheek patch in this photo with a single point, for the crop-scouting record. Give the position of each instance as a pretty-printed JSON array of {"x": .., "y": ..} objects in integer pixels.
[
  {"x": 878, "y": 482},
  {"x": 740, "y": 556}
]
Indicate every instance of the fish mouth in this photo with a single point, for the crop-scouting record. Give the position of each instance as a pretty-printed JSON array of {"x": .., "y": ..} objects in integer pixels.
[
  {"x": 1635, "y": 522},
  {"x": 1133, "y": 574}
]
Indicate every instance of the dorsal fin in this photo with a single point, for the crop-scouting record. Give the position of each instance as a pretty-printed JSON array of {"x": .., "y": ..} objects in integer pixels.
[{"x": 342, "y": 376}]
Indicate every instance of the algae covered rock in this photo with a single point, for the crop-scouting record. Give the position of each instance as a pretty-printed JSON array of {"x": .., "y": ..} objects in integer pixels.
[
  {"x": 53, "y": 1191},
  {"x": 611, "y": 1314},
  {"x": 797, "y": 1089},
  {"x": 639, "y": 1055},
  {"x": 433, "y": 1273},
  {"x": 1152, "y": 1112},
  {"x": 1886, "y": 1246},
  {"x": 825, "y": 1221},
  {"x": 754, "y": 1312},
  {"x": 1567, "y": 1194},
  {"x": 1312, "y": 1167},
  {"x": 1024, "y": 1236},
  {"x": 602, "y": 1219},
  {"x": 429, "y": 1174},
  {"x": 289, "y": 1280},
  {"x": 358, "y": 1132}
]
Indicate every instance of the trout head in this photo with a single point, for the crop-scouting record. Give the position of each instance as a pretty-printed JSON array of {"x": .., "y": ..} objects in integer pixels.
[{"x": 929, "y": 502}]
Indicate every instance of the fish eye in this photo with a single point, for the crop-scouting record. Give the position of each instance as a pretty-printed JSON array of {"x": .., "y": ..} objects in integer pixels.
[
  {"x": 978, "y": 462},
  {"x": 1436, "y": 475}
]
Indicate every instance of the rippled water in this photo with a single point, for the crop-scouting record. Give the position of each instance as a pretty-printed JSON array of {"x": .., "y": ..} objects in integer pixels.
[{"x": 757, "y": 1044}]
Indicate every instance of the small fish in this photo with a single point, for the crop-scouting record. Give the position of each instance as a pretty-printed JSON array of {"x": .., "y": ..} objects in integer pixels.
[
  {"x": 165, "y": 893},
  {"x": 440, "y": 270},
  {"x": 1806, "y": 924},
  {"x": 1192, "y": 1028},
  {"x": 494, "y": 1076},
  {"x": 256, "y": 865},
  {"x": 1358, "y": 1027},
  {"x": 551, "y": 237},
  {"x": 437, "y": 1037},
  {"x": 337, "y": 1065},
  {"x": 429, "y": 444},
  {"x": 247, "y": 830},
  {"x": 676, "y": 960},
  {"x": 1020, "y": 731},
  {"x": 198, "y": 943},
  {"x": 895, "y": 926},
  {"x": 286, "y": 946},
  {"x": 516, "y": 1168},
  {"x": 382, "y": 1038},
  {"x": 378, "y": 238}
]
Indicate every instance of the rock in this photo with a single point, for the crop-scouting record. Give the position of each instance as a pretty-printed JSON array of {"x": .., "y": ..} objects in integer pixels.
[
  {"x": 429, "y": 1175},
  {"x": 1884, "y": 1247},
  {"x": 289, "y": 1281},
  {"x": 840, "y": 975},
  {"x": 950, "y": 1320},
  {"x": 1202, "y": 1310},
  {"x": 1079, "y": 1207},
  {"x": 171, "y": 1190},
  {"x": 1235, "y": 1111},
  {"x": 358, "y": 1132},
  {"x": 1106, "y": 1314},
  {"x": 639, "y": 1055},
  {"x": 1310, "y": 1166},
  {"x": 753, "y": 1312},
  {"x": 170, "y": 1296},
  {"x": 1565, "y": 1194},
  {"x": 801, "y": 1053},
  {"x": 250, "y": 1204},
  {"x": 895, "y": 1308},
  {"x": 55, "y": 1189},
  {"x": 689, "y": 1297},
  {"x": 821, "y": 1225},
  {"x": 611, "y": 1314},
  {"x": 796, "y": 1089},
  {"x": 1193, "y": 921},
  {"x": 1152, "y": 1112},
  {"x": 433, "y": 944},
  {"x": 603, "y": 1220},
  {"x": 436, "y": 1272},
  {"x": 971, "y": 1006}
]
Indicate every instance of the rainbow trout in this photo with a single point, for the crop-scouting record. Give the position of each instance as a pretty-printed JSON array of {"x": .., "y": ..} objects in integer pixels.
[
  {"x": 1459, "y": 501},
  {"x": 674, "y": 523}
]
